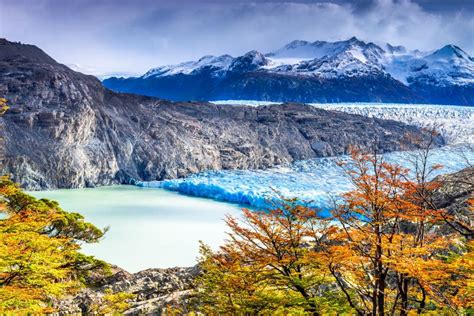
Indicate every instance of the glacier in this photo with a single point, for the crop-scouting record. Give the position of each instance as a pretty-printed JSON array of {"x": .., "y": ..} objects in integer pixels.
[
  {"x": 315, "y": 182},
  {"x": 319, "y": 182}
]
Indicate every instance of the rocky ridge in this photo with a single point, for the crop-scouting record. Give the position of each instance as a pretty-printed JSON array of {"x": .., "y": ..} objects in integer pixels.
[{"x": 456, "y": 195}]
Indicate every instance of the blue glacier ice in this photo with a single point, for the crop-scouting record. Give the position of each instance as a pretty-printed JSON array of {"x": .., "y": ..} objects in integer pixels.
[{"x": 316, "y": 181}]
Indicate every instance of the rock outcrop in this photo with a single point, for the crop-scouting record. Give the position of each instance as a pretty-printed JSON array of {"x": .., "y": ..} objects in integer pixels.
[
  {"x": 456, "y": 194},
  {"x": 154, "y": 291},
  {"x": 64, "y": 129}
]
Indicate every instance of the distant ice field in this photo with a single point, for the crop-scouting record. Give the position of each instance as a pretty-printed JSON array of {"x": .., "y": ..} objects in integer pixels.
[
  {"x": 455, "y": 123},
  {"x": 318, "y": 181}
]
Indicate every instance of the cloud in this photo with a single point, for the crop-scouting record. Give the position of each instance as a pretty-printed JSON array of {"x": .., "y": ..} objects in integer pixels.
[{"x": 133, "y": 36}]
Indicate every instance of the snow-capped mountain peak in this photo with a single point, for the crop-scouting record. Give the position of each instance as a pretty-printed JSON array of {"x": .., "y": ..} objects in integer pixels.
[
  {"x": 449, "y": 65},
  {"x": 350, "y": 58},
  {"x": 449, "y": 52},
  {"x": 217, "y": 63},
  {"x": 298, "y": 51},
  {"x": 305, "y": 50},
  {"x": 301, "y": 50},
  {"x": 249, "y": 62}
]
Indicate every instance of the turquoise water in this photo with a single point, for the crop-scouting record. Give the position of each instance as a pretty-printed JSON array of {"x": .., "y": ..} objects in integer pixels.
[{"x": 149, "y": 228}]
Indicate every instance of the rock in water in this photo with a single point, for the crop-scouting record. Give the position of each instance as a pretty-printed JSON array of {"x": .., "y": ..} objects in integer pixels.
[{"x": 64, "y": 130}]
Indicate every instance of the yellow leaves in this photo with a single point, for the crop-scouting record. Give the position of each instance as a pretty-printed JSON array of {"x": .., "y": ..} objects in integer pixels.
[
  {"x": 385, "y": 236},
  {"x": 21, "y": 300},
  {"x": 38, "y": 256},
  {"x": 389, "y": 228},
  {"x": 267, "y": 263},
  {"x": 386, "y": 253},
  {"x": 3, "y": 106},
  {"x": 33, "y": 262}
]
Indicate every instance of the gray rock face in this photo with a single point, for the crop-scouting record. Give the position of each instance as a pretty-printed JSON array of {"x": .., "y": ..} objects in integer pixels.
[
  {"x": 454, "y": 194},
  {"x": 154, "y": 290},
  {"x": 64, "y": 129}
]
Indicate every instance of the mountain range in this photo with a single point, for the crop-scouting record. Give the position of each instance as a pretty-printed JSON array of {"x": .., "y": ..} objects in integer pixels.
[
  {"x": 301, "y": 71},
  {"x": 65, "y": 129}
]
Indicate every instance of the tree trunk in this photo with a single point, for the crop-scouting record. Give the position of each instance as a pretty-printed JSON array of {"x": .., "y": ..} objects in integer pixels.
[
  {"x": 404, "y": 297},
  {"x": 381, "y": 296},
  {"x": 379, "y": 275}
]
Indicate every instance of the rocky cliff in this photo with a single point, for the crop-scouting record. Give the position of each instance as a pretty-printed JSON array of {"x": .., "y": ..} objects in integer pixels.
[{"x": 64, "y": 129}]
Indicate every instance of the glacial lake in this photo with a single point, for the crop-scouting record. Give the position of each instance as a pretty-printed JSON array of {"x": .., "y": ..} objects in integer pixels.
[{"x": 148, "y": 227}]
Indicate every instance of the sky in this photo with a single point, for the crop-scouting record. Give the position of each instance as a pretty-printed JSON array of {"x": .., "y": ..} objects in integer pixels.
[{"x": 128, "y": 37}]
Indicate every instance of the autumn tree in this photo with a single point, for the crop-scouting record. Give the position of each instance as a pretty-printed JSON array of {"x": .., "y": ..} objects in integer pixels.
[
  {"x": 437, "y": 217},
  {"x": 269, "y": 264},
  {"x": 383, "y": 251},
  {"x": 39, "y": 251},
  {"x": 227, "y": 286},
  {"x": 388, "y": 256}
]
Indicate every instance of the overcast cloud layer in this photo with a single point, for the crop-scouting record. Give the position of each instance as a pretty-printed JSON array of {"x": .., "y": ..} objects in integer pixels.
[{"x": 130, "y": 37}]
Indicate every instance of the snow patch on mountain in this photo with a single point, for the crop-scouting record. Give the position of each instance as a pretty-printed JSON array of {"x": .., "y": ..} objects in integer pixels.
[
  {"x": 327, "y": 59},
  {"x": 344, "y": 64},
  {"x": 305, "y": 50},
  {"x": 216, "y": 63},
  {"x": 251, "y": 61},
  {"x": 449, "y": 65}
]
